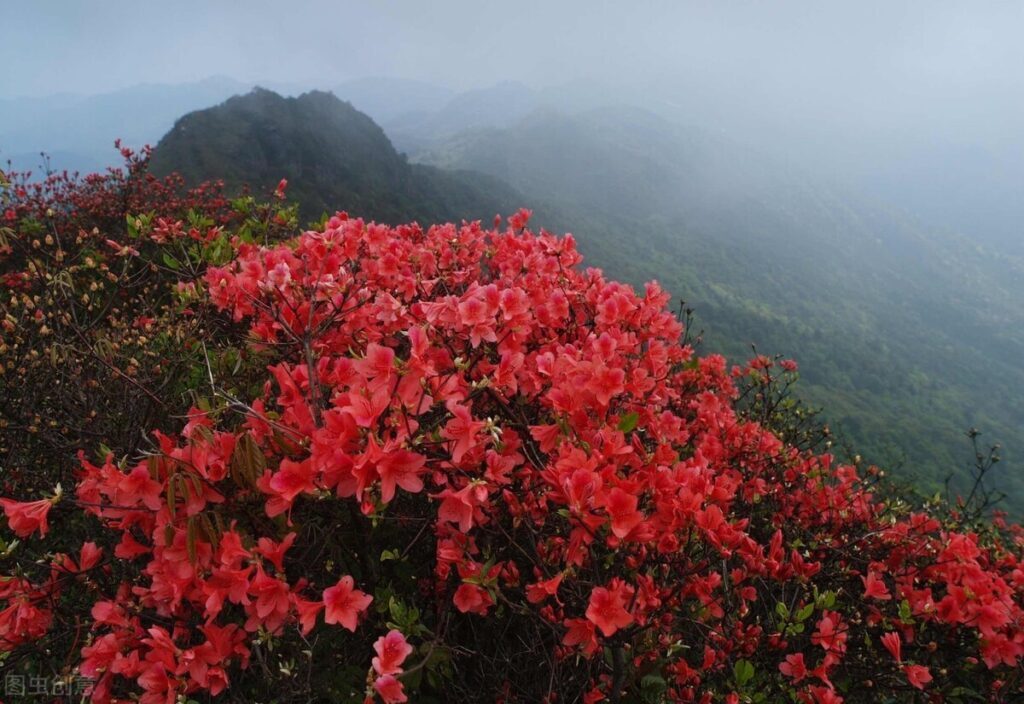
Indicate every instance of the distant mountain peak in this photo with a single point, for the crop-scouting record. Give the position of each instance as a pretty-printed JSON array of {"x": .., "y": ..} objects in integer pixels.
[{"x": 333, "y": 155}]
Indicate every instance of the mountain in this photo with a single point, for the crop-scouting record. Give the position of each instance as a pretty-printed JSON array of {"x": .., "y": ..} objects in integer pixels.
[
  {"x": 333, "y": 156},
  {"x": 906, "y": 334},
  {"x": 500, "y": 105},
  {"x": 78, "y": 131}
]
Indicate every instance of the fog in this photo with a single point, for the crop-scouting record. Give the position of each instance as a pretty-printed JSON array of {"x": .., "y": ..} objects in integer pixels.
[{"x": 920, "y": 101}]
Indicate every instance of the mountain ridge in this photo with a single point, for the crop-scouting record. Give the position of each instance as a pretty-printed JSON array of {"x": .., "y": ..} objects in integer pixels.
[{"x": 333, "y": 156}]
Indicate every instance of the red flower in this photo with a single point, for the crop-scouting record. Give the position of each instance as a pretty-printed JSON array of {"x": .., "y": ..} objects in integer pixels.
[
  {"x": 893, "y": 644},
  {"x": 292, "y": 479},
  {"x": 392, "y": 650},
  {"x": 272, "y": 602},
  {"x": 470, "y": 598},
  {"x": 539, "y": 591},
  {"x": 874, "y": 587},
  {"x": 794, "y": 667},
  {"x": 582, "y": 633},
  {"x": 462, "y": 429},
  {"x": 344, "y": 603},
  {"x": 917, "y": 675},
  {"x": 390, "y": 690},
  {"x": 607, "y": 609},
  {"x": 137, "y": 487},
  {"x": 622, "y": 509},
  {"x": 400, "y": 467},
  {"x": 307, "y": 611},
  {"x": 831, "y": 633},
  {"x": 25, "y": 518}
]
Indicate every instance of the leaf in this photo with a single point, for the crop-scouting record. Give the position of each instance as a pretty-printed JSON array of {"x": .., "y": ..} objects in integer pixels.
[
  {"x": 247, "y": 462},
  {"x": 805, "y": 613},
  {"x": 172, "y": 496},
  {"x": 652, "y": 688},
  {"x": 743, "y": 671},
  {"x": 629, "y": 421},
  {"x": 170, "y": 262},
  {"x": 905, "y": 613}
]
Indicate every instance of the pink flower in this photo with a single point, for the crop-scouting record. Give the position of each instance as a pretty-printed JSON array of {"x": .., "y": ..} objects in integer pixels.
[
  {"x": 390, "y": 690},
  {"x": 917, "y": 675},
  {"x": 893, "y": 643},
  {"x": 794, "y": 667},
  {"x": 25, "y": 518},
  {"x": 344, "y": 603},
  {"x": 392, "y": 650}
]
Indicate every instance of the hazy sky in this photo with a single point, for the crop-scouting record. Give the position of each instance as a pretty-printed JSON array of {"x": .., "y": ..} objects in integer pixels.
[
  {"x": 855, "y": 85},
  {"x": 839, "y": 52}
]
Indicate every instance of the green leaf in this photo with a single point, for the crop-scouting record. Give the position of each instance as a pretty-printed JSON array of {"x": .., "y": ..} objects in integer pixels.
[
  {"x": 170, "y": 262},
  {"x": 629, "y": 421},
  {"x": 805, "y": 613},
  {"x": 905, "y": 613},
  {"x": 652, "y": 688},
  {"x": 744, "y": 671}
]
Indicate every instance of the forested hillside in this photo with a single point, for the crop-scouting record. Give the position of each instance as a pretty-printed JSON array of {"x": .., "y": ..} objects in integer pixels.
[
  {"x": 332, "y": 156},
  {"x": 907, "y": 336}
]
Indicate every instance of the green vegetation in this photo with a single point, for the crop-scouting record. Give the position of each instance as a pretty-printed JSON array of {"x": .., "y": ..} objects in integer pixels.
[{"x": 332, "y": 156}]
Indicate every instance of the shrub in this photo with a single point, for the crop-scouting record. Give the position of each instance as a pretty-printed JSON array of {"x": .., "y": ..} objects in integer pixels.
[
  {"x": 475, "y": 471},
  {"x": 100, "y": 332}
]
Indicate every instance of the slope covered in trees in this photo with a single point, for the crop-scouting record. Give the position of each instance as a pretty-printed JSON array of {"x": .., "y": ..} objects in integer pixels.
[{"x": 332, "y": 156}]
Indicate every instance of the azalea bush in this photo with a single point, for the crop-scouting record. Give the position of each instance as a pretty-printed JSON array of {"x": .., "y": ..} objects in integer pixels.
[
  {"x": 100, "y": 331},
  {"x": 473, "y": 470}
]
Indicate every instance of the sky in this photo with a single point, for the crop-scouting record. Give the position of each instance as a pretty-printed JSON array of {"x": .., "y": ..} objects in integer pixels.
[
  {"x": 862, "y": 86},
  {"x": 840, "y": 51}
]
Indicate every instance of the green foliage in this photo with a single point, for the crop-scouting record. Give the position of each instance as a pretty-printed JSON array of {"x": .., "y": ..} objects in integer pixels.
[{"x": 333, "y": 157}]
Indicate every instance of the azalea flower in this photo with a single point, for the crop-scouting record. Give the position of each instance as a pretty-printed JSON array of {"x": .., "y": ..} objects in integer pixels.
[
  {"x": 343, "y": 603},
  {"x": 893, "y": 644},
  {"x": 917, "y": 675},
  {"x": 25, "y": 518},
  {"x": 390, "y": 690},
  {"x": 607, "y": 609},
  {"x": 793, "y": 667},
  {"x": 392, "y": 650}
]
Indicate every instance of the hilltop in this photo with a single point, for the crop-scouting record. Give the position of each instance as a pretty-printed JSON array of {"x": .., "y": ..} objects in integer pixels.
[{"x": 332, "y": 155}]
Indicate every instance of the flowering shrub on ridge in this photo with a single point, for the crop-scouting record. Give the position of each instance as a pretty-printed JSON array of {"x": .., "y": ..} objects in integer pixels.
[{"x": 479, "y": 472}]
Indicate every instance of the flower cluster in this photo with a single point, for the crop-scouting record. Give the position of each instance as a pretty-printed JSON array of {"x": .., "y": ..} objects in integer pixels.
[{"x": 469, "y": 444}]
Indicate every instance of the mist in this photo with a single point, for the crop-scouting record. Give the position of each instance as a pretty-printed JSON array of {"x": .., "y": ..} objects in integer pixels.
[{"x": 917, "y": 102}]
